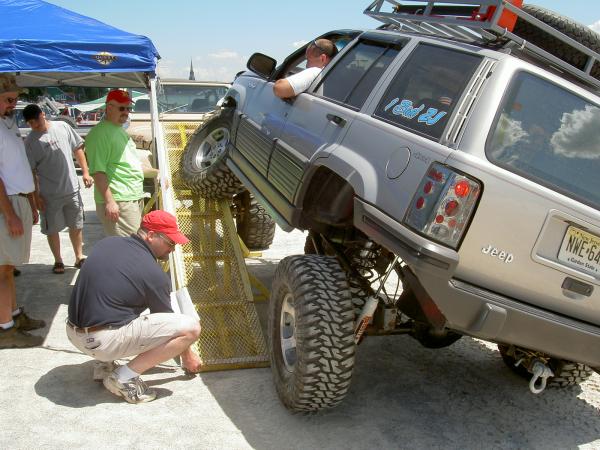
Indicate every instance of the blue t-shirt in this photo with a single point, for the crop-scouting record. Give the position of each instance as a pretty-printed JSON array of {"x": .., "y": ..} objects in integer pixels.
[{"x": 118, "y": 281}]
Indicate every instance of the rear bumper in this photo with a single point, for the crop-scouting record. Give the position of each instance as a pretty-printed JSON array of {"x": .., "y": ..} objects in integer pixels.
[
  {"x": 475, "y": 311},
  {"x": 493, "y": 317}
]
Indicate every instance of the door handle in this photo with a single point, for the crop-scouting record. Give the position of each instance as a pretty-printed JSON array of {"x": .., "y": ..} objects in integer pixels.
[{"x": 339, "y": 121}]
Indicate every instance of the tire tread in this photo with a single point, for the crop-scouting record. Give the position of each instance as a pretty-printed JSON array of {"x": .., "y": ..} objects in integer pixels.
[{"x": 325, "y": 332}]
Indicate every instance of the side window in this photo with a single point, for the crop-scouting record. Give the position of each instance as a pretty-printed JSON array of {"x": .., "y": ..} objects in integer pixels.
[
  {"x": 550, "y": 135},
  {"x": 296, "y": 62},
  {"x": 425, "y": 90},
  {"x": 354, "y": 76}
]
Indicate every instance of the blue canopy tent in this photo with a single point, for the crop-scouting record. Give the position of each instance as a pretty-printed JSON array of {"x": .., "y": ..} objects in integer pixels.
[{"x": 45, "y": 45}]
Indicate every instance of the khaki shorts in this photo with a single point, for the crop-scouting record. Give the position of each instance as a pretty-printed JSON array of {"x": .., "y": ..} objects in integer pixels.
[
  {"x": 130, "y": 217},
  {"x": 138, "y": 336},
  {"x": 14, "y": 251},
  {"x": 61, "y": 213}
]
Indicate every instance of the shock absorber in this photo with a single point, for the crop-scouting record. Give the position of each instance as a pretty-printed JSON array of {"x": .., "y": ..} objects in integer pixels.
[
  {"x": 371, "y": 305},
  {"x": 362, "y": 258}
]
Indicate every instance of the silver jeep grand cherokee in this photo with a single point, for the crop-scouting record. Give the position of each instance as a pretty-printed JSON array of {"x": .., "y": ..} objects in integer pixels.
[{"x": 445, "y": 152}]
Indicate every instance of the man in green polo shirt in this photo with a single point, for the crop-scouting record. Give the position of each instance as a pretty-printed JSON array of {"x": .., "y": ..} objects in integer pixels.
[{"x": 116, "y": 168}]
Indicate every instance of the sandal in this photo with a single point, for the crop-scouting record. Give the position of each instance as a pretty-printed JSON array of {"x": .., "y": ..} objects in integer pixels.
[
  {"x": 59, "y": 268},
  {"x": 79, "y": 263}
]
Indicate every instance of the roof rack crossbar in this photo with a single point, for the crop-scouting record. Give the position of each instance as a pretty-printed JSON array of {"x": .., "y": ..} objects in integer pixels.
[{"x": 457, "y": 19}]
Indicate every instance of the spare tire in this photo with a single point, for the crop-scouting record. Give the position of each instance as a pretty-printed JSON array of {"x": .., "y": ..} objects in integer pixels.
[{"x": 575, "y": 30}]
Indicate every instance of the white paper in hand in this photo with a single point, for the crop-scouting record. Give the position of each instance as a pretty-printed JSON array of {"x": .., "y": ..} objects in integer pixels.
[
  {"x": 184, "y": 301},
  {"x": 175, "y": 303}
]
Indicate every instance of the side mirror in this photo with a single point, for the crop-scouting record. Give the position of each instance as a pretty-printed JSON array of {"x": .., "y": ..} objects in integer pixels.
[{"x": 262, "y": 65}]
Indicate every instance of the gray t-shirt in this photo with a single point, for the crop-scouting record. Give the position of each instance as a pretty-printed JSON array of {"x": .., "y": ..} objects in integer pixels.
[{"x": 51, "y": 155}]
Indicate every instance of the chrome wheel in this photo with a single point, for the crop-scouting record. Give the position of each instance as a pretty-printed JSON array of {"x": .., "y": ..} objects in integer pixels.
[
  {"x": 211, "y": 149},
  {"x": 288, "y": 333}
]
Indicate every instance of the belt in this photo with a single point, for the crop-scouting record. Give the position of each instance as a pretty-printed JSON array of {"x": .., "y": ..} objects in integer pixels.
[
  {"x": 91, "y": 329},
  {"x": 21, "y": 194}
]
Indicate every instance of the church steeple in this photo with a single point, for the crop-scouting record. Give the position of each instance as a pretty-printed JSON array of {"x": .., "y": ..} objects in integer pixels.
[{"x": 192, "y": 77}]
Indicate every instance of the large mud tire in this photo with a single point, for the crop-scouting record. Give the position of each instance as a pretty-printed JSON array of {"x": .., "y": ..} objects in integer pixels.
[
  {"x": 311, "y": 332},
  {"x": 567, "y": 373},
  {"x": 203, "y": 166},
  {"x": 254, "y": 224},
  {"x": 359, "y": 294},
  {"x": 575, "y": 30}
]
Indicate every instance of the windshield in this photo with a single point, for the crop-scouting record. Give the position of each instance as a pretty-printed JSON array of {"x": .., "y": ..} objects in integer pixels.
[
  {"x": 189, "y": 99},
  {"x": 550, "y": 135}
]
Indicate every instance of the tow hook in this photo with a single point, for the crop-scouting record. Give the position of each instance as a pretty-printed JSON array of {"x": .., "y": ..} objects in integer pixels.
[{"x": 541, "y": 373}]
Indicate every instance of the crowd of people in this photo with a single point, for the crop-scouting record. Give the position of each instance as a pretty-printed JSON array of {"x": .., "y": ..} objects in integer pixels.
[{"x": 121, "y": 278}]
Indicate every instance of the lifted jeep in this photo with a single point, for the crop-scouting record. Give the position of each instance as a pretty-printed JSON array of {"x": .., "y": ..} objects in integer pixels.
[{"x": 455, "y": 151}]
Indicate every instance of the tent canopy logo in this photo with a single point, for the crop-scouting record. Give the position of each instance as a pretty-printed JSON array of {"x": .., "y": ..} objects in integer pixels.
[{"x": 105, "y": 58}]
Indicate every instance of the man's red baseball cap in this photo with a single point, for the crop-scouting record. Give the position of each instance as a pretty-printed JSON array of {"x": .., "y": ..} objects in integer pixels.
[
  {"x": 118, "y": 96},
  {"x": 163, "y": 222}
]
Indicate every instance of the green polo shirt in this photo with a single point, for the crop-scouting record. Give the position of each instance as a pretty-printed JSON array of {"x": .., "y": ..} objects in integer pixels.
[{"x": 110, "y": 150}]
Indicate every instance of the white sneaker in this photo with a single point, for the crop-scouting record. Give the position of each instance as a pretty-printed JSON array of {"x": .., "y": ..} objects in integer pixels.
[
  {"x": 103, "y": 369},
  {"x": 133, "y": 391}
]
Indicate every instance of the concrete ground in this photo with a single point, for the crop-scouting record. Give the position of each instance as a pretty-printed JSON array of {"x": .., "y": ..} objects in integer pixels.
[{"x": 402, "y": 396}]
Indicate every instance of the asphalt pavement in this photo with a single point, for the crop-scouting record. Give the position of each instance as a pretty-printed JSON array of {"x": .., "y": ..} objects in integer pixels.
[{"x": 402, "y": 395}]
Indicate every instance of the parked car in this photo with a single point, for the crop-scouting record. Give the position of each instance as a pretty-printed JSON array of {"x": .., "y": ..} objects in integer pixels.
[
  {"x": 50, "y": 115},
  {"x": 443, "y": 150},
  {"x": 178, "y": 101}
]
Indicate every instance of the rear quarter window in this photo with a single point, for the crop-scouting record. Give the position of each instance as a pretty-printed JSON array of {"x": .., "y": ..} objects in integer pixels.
[
  {"x": 424, "y": 92},
  {"x": 550, "y": 135}
]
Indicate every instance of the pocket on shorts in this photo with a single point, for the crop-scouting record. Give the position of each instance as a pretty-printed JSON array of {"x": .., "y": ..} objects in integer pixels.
[{"x": 92, "y": 343}]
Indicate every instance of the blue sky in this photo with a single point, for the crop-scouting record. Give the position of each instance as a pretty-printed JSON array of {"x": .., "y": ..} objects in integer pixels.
[{"x": 220, "y": 36}]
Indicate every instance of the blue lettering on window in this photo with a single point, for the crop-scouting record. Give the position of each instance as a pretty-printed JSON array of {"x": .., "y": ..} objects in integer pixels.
[
  {"x": 406, "y": 109},
  {"x": 392, "y": 103},
  {"x": 431, "y": 116}
]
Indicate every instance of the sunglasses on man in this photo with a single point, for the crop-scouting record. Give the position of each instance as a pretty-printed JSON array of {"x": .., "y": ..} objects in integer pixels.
[
  {"x": 169, "y": 242},
  {"x": 11, "y": 100},
  {"x": 122, "y": 108}
]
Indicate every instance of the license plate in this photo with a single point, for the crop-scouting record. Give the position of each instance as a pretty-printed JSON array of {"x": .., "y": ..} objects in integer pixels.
[{"x": 580, "y": 250}]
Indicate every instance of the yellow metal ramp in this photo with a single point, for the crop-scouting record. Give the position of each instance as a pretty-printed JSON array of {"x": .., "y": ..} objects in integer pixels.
[{"x": 214, "y": 270}]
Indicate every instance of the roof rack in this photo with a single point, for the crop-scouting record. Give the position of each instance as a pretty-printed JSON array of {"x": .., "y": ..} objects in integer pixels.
[{"x": 483, "y": 22}]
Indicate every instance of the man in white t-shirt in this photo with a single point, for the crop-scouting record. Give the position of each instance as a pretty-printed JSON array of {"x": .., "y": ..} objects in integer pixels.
[
  {"x": 17, "y": 215},
  {"x": 318, "y": 54}
]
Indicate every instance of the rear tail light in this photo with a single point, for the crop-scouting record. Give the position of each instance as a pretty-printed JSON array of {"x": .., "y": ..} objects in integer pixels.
[{"x": 443, "y": 205}]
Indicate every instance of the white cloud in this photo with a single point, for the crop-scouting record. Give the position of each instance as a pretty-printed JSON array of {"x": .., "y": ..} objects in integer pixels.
[
  {"x": 596, "y": 26},
  {"x": 298, "y": 44},
  {"x": 579, "y": 134},
  {"x": 167, "y": 68},
  {"x": 224, "y": 54},
  {"x": 508, "y": 132}
]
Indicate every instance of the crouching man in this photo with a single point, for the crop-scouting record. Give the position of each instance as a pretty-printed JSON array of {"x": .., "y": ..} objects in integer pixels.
[{"x": 121, "y": 279}]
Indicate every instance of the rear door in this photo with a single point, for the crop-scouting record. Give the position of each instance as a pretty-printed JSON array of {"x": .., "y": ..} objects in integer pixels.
[
  {"x": 536, "y": 233},
  {"x": 319, "y": 119}
]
